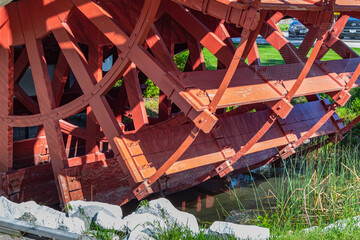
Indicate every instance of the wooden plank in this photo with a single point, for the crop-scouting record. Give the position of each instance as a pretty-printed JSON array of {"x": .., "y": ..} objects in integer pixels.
[
  {"x": 197, "y": 160},
  {"x": 102, "y": 21},
  {"x": 236, "y": 130},
  {"x": 248, "y": 88}
]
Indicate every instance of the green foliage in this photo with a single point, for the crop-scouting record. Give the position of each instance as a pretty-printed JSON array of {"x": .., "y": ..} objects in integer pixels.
[
  {"x": 67, "y": 208},
  {"x": 269, "y": 55},
  {"x": 181, "y": 59},
  {"x": 266, "y": 220},
  {"x": 284, "y": 27},
  {"x": 152, "y": 90},
  {"x": 119, "y": 82},
  {"x": 144, "y": 203}
]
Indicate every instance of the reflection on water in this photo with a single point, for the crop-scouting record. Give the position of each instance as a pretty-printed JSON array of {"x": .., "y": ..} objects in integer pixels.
[{"x": 216, "y": 198}]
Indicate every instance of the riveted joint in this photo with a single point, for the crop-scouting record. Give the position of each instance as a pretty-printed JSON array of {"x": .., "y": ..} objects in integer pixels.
[
  {"x": 342, "y": 97},
  {"x": 282, "y": 108},
  {"x": 224, "y": 169},
  {"x": 205, "y": 121},
  {"x": 143, "y": 190},
  {"x": 288, "y": 151}
]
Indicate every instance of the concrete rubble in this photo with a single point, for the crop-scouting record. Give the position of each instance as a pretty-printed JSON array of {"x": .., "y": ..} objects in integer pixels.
[{"x": 143, "y": 223}]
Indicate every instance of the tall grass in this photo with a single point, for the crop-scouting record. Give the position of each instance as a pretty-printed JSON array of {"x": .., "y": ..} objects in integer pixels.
[{"x": 312, "y": 190}]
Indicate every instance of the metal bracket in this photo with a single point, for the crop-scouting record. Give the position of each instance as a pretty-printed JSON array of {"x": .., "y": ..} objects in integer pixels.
[
  {"x": 342, "y": 97},
  {"x": 282, "y": 108},
  {"x": 205, "y": 121},
  {"x": 143, "y": 190},
  {"x": 224, "y": 169},
  {"x": 287, "y": 151}
]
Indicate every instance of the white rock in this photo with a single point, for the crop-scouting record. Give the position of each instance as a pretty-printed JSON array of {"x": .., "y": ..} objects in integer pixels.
[
  {"x": 338, "y": 225},
  {"x": 107, "y": 221},
  {"x": 44, "y": 216},
  {"x": 90, "y": 209},
  {"x": 40, "y": 215},
  {"x": 142, "y": 226},
  {"x": 139, "y": 235},
  {"x": 342, "y": 224},
  {"x": 239, "y": 231},
  {"x": 9, "y": 209},
  {"x": 72, "y": 224},
  {"x": 143, "y": 221},
  {"x": 163, "y": 208},
  {"x": 51, "y": 218}
]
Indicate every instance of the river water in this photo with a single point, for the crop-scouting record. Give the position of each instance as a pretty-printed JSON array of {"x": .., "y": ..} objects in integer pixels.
[{"x": 217, "y": 198}]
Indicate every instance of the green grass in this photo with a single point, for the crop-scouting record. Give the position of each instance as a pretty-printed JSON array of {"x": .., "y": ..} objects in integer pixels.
[
  {"x": 270, "y": 56},
  {"x": 103, "y": 234},
  {"x": 312, "y": 190},
  {"x": 152, "y": 106},
  {"x": 177, "y": 232},
  {"x": 350, "y": 233}
]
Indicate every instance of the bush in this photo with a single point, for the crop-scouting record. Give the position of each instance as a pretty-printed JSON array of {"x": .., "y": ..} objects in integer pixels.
[{"x": 284, "y": 27}]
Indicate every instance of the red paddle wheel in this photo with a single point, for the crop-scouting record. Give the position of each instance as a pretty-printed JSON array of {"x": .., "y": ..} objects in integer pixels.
[{"x": 74, "y": 127}]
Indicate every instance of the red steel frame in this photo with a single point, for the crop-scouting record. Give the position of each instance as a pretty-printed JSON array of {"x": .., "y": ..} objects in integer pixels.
[{"x": 200, "y": 140}]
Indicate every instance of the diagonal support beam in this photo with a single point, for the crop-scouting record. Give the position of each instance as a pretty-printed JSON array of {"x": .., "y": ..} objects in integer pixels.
[
  {"x": 333, "y": 42},
  {"x": 43, "y": 89},
  {"x": 133, "y": 90},
  {"x": 21, "y": 65},
  {"x": 60, "y": 76}
]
